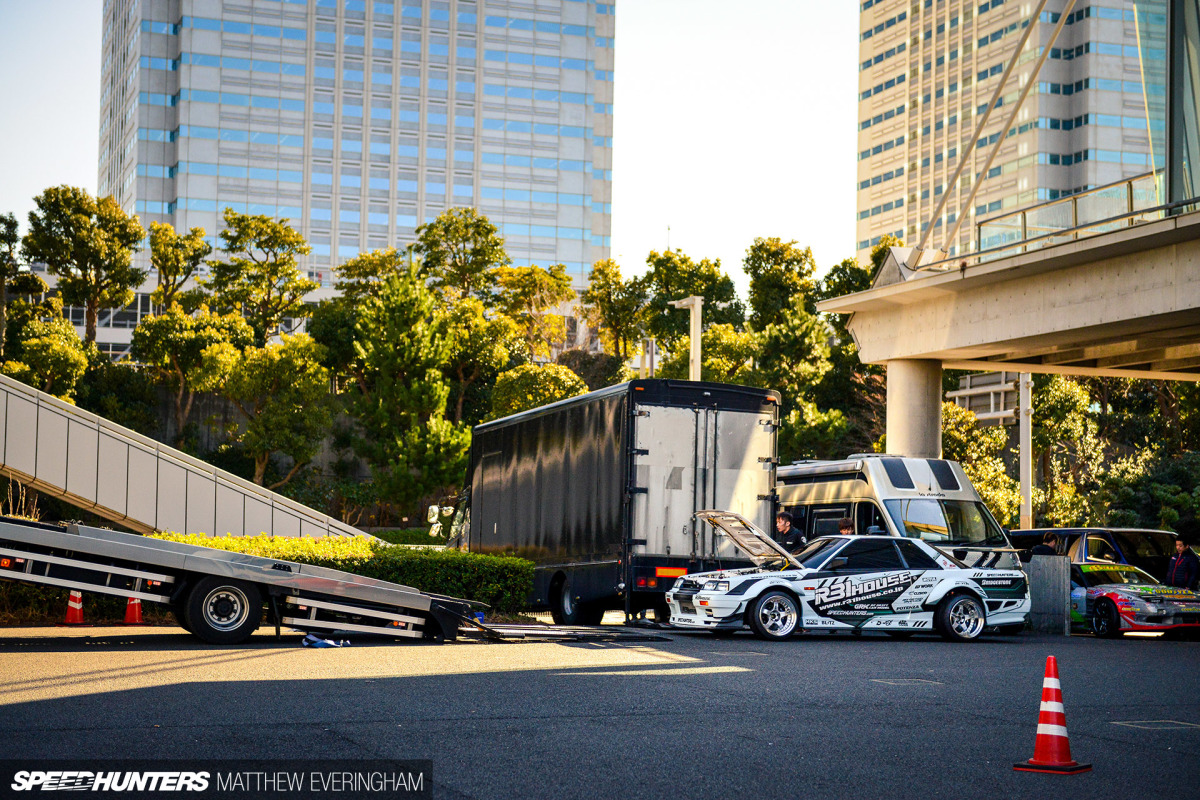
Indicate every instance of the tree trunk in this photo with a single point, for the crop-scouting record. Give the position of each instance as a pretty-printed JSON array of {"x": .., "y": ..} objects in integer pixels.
[
  {"x": 3, "y": 315},
  {"x": 260, "y": 467},
  {"x": 91, "y": 312}
]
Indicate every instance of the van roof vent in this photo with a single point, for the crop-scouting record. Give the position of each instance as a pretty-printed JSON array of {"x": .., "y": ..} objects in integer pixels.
[
  {"x": 943, "y": 473},
  {"x": 897, "y": 473}
]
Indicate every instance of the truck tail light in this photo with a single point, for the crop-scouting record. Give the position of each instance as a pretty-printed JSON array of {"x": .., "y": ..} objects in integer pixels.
[
  {"x": 641, "y": 583},
  {"x": 5, "y": 562}
]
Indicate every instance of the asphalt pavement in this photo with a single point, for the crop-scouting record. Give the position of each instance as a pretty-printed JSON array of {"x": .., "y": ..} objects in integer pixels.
[{"x": 689, "y": 717}]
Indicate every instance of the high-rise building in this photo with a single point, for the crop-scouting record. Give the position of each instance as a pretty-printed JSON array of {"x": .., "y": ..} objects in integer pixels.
[
  {"x": 927, "y": 71},
  {"x": 359, "y": 120}
]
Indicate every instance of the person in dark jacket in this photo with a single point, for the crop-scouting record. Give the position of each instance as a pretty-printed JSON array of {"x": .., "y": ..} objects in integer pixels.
[
  {"x": 1048, "y": 547},
  {"x": 1184, "y": 568},
  {"x": 791, "y": 539}
]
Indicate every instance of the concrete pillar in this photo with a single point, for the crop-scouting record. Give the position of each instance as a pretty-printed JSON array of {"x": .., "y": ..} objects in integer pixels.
[{"x": 914, "y": 408}]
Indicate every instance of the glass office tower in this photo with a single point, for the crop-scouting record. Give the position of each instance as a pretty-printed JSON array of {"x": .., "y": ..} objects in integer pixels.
[
  {"x": 927, "y": 70},
  {"x": 361, "y": 119}
]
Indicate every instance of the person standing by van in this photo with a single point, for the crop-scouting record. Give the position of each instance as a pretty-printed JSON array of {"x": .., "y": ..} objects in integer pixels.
[
  {"x": 787, "y": 535},
  {"x": 1048, "y": 547}
]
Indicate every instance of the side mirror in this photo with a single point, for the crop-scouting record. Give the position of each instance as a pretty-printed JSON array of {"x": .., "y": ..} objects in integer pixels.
[
  {"x": 836, "y": 563},
  {"x": 431, "y": 515},
  {"x": 875, "y": 530},
  {"x": 436, "y": 529}
]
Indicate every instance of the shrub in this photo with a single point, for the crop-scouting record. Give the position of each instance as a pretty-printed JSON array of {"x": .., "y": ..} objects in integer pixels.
[{"x": 419, "y": 536}]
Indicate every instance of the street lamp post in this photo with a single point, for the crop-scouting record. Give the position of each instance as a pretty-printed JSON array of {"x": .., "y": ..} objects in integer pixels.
[{"x": 694, "y": 304}]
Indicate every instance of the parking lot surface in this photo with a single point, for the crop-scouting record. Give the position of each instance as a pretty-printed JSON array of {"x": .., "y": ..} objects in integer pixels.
[{"x": 689, "y": 717}]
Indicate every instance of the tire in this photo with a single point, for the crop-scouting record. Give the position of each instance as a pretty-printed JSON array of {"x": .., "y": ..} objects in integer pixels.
[
  {"x": 662, "y": 614},
  {"x": 179, "y": 612},
  {"x": 566, "y": 610},
  {"x": 1106, "y": 622},
  {"x": 223, "y": 610},
  {"x": 961, "y": 618},
  {"x": 900, "y": 634},
  {"x": 775, "y": 615}
]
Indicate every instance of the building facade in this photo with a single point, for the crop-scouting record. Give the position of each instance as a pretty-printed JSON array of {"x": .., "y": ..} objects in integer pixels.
[
  {"x": 359, "y": 120},
  {"x": 927, "y": 71}
]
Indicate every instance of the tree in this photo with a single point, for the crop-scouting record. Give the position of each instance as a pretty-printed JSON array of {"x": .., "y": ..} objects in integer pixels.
[
  {"x": 260, "y": 278},
  {"x": 282, "y": 391},
  {"x": 980, "y": 452},
  {"x": 48, "y": 356},
  {"x": 1065, "y": 448},
  {"x": 364, "y": 275},
  {"x": 10, "y": 267},
  {"x": 526, "y": 294},
  {"x": 727, "y": 356},
  {"x": 398, "y": 394},
  {"x": 614, "y": 305},
  {"x": 779, "y": 271},
  {"x": 458, "y": 251},
  {"x": 674, "y": 276},
  {"x": 530, "y": 386},
  {"x": 480, "y": 347},
  {"x": 172, "y": 346},
  {"x": 176, "y": 258},
  {"x": 597, "y": 370},
  {"x": 88, "y": 245}
]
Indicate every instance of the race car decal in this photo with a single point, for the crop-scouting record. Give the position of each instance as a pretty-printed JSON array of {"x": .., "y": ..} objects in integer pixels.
[{"x": 853, "y": 600}]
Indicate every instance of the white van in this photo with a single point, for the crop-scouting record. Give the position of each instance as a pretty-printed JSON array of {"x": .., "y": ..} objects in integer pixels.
[{"x": 919, "y": 498}]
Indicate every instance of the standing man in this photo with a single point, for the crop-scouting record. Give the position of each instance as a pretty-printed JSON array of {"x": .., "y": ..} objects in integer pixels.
[
  {"x": 1184, "y": 567},
  {"x": 791, "y": 539}
]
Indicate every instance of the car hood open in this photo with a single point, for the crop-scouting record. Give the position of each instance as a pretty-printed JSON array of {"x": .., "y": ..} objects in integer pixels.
[{"x": 758, "y": 546}]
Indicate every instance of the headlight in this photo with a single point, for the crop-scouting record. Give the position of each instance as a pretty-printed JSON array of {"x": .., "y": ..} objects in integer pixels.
[{"x": 716, "y": 586}]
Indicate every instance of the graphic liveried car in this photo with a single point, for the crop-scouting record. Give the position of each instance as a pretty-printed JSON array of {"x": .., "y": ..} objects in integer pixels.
[
  {"x": 852, "y": 583},
  {"x": 1111, "y": 599}
]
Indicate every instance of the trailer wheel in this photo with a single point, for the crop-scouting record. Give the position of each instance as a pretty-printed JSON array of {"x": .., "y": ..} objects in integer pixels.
[
  {"x": 223, "y": 610},
  {"x": 179, "y": 612},
  {"x": 566, "y": 610}
]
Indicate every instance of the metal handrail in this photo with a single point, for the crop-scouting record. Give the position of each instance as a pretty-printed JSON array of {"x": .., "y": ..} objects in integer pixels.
[
  {"x": 979, "y": 256},
  {"x": 1063, "y": 200}
]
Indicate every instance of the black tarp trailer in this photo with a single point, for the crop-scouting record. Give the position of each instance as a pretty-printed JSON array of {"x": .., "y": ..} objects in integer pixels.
[
  {"x": 599, "y": 491},
  {"x": 218, "y": 595}
]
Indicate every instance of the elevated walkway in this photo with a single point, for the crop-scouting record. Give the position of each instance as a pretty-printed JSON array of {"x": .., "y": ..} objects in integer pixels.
[{"x": 134, "y": 481}]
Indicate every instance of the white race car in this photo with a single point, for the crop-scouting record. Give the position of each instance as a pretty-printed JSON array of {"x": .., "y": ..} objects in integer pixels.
[{"x": 853, "y": 583}]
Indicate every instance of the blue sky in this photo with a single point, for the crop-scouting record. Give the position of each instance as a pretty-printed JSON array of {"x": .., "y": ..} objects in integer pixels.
[{"x": 733, "y": 120}]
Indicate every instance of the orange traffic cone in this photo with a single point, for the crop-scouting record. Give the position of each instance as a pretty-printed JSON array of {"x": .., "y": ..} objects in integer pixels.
[
  {"x": 74, "y": 609},
  {"x": 1052, "y": 750},
  {"x": 133, "y": 612}
]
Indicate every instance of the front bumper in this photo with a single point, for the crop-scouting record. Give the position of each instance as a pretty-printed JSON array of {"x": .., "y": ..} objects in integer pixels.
[{"x": 705, "y": 610}]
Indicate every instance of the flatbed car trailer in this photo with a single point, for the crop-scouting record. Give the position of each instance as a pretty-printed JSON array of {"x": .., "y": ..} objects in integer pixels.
[{"x": 218, "y": 595}]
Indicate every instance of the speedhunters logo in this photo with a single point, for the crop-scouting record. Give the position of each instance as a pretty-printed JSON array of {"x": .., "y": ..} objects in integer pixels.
[
  {"x": 224, "y": 779},
  {"x": 79, "y": 781}
]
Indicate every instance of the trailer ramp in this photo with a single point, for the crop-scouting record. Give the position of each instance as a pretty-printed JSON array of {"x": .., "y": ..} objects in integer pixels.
[{"x": 134, "y": 481}]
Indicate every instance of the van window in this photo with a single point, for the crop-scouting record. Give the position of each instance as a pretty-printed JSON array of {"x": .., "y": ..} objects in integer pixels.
[
  {"x": 1099, "y": 549},
  {"x": 868, "y": 515},
  {"x": 823, "y": 520}
]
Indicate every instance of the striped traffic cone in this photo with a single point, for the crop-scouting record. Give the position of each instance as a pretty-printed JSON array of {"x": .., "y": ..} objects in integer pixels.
[
  {"x": 1052, "y": 750},
  {"x": 74, "y": 609},
  {"x": 133, "y": 612}
]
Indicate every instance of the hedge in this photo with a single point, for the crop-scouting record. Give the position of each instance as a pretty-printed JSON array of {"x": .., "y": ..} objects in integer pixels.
[
  {"x": 417, "y": 536},
  {"x": 503, "y": 583}
]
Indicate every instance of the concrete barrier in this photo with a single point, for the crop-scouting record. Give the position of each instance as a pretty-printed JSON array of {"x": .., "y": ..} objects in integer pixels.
[{"x": 1050, "y": 593}]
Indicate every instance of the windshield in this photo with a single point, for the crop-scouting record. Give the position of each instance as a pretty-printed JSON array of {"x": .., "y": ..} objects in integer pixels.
[
  {"x": 812, "y": 556},
  {"x": 946, "y": 522},
  {"x": 1106, "y": 575}
]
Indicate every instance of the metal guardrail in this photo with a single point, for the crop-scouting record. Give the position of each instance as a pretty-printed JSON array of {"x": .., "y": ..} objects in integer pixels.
[{"x": 1123, "y": 204}]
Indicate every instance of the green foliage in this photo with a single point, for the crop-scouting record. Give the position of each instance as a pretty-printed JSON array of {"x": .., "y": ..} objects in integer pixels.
[
  {"x": 120, "y": 392},
  {"x": 88, "y": 245},
  {"x": 399, "y": 392},
  {"x": 458, "y": 251},
  {"x": 481, "y": 346},
  {"x": 10, "y": 268},
  {"x": 530, "y": 386},
  {"x": 809, "y": 432},
  {"x": 1151, "y": 489},
  {"x": 48, "y": 356},
  {"x": 414, "y": 536},
  {"x": 282, "y": 391},
  {"x": 674, "y": 276},
  {"x": 175, "y": 259},
  {"x": 260, "y": 278},
  {"x": 597, "y": 370},
  {"x": 527, "y": 294},
  {"x": 614, "y": 306},
  {"x": 726, "y": 356},
  {"x": 504, "y": 583},
  {"x": 779, "y": 272},
  {"x": 364, "y": 275},
  {"x": 980, "y": 452},
  {"x": 172, "y": 346}
]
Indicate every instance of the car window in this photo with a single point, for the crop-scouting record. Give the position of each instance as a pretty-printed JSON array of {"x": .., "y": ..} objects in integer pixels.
[
  {"x": 915, "y": 556},
  {"x": 1077, "y": 579},
  {"x": 871, "y": 555},
  {"x": 816, "y": 552},
  {"x": 1145, "y": 544},
  {"x": 1099, "y": 549}
]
